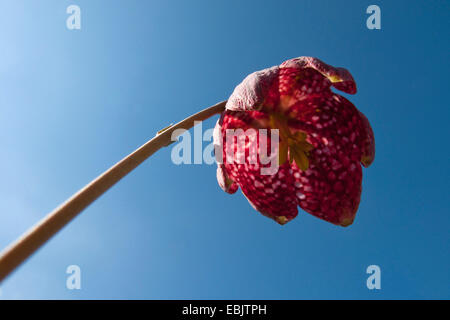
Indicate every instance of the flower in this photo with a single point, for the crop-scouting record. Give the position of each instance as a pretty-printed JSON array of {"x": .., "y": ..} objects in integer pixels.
[{"x": 323, "y": 140}]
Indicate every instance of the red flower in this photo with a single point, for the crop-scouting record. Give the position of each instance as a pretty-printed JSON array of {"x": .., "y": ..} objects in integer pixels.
[{"x": 323, "y": 139}]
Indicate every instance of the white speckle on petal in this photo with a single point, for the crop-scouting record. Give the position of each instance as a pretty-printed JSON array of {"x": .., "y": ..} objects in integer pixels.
[
  {"x": 258, "y": 184},
  {"x": 300, "y": 195}
]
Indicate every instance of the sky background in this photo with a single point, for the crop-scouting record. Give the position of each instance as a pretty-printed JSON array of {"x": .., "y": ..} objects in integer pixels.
[{"x": 74, "y": 102}]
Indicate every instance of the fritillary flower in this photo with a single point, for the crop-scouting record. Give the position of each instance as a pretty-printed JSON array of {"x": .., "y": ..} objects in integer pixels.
[{"x": 323, "y": 140}]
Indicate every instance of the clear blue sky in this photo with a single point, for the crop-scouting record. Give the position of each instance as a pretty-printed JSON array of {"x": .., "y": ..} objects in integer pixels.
[{"x": 72, "y": 103}]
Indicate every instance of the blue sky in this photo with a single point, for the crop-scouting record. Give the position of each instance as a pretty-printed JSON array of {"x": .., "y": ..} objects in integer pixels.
[{"x": 73, "y": 102}]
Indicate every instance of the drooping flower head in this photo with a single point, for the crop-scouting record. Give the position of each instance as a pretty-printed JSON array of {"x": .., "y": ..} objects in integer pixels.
[{"x": 322, "y": 142}]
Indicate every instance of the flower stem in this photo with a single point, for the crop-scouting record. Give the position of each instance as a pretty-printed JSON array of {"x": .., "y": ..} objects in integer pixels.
[{"x": 35, "y": 237}]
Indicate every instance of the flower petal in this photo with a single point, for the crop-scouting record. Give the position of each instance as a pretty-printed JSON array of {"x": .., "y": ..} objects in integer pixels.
[
  {"x": 331, "y": 187},
  {"x": 250, "y": 93},
  {"x": 340, "y": 78},
  {"x": 368, "y": 143},
  {"x": 271, "y": 194},
  {"x": 224, "y": 181},
  {"x": 329, "y": 190}
]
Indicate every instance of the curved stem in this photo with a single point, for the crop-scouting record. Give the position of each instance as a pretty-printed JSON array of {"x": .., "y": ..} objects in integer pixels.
[{"x": 35, "y": 237}]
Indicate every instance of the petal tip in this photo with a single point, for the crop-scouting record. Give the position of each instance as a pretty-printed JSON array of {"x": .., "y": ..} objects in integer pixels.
[
  {"x": 346, "y": 222},
  {"x": 340, "y": 78},
  {"x": 227, "y": 184},
  {"x": 282, "y": 220},
  {"x": 366, "y": 161}
]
